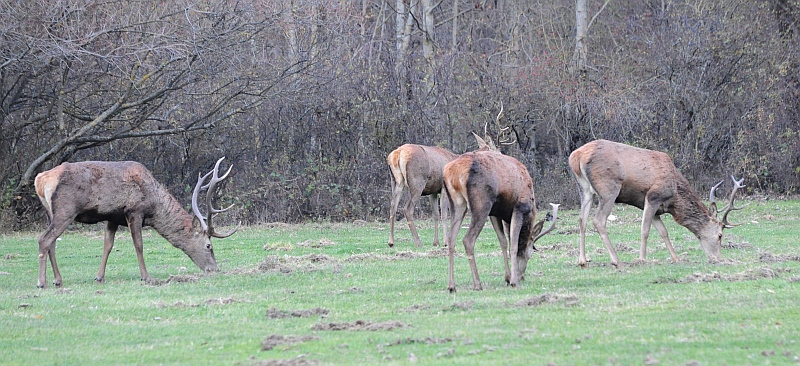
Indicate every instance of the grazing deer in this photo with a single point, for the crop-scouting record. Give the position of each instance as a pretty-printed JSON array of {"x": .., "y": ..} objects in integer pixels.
[
  {"x": 618, "y": 173},
  {"x": 420, "y": 169},
  {"x": 496, "y": 186},
  {"x": 124, "y": 193}
]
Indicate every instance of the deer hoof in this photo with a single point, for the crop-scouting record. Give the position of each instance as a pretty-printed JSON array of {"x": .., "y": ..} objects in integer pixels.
[
  {"x": 452, "y": 290},
  {"x": 391, "y": 244},
  {"x": 39, "y": 285},
  {"x": 99, "y": 279}
]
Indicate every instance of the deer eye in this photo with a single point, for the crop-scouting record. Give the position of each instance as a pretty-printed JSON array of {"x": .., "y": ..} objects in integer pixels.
[{"x": 208, "y": 246}]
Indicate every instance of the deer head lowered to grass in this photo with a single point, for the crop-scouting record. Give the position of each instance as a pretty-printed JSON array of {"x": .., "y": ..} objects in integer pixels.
[
  {"x": 497, "y": 187},
  {"x": 125, "y": 193},
  {"x": 613, "y": 173},
  {"x": 419, "y": 169}
]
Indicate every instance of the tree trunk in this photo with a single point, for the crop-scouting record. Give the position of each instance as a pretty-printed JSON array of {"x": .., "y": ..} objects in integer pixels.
[{"x": 578, "y": 66}]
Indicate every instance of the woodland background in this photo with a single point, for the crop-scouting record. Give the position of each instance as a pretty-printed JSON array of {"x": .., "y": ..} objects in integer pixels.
[{"x": 306, "y": 98}]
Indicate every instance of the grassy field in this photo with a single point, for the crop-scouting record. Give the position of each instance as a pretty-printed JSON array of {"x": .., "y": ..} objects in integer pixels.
[{"x": 336, "y": 294}]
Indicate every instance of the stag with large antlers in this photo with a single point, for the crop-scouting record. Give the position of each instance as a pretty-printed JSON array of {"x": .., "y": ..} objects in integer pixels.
[
  {"x": 613, "y": 172},
  {"x": 124, "y": 193},
  {"x": 418, "y": 168},
  {"x": 496, "y": 187}
]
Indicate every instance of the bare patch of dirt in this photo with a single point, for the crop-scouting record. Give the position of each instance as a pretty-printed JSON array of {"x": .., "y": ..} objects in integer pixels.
[
  {"x": 282, "y": 247},
  {"x": 183, "y": 278},
  {"x": 181, "y": 304},
  {"x": 172, "y": 279},
  {"x": 627, "y": 248},
  {"x": 321, "y": 243},
  {"x": 360, "y": 325},
  {"x": 274, "y": 313},
  {"x": 415, "y": 307},
  {"x": 767, "y": 257},
  {"x": 726, "y": 261},
  {"x": 288, "y": 264},
  {"x": 426, "y": 341},
  {"x": 460, "y": 306},
  {"x": 272, "y": 341},
  {"x": 748, "y": 275},
  {"x": 548, "y": 298},
  {"x": 222, "y": 301}
]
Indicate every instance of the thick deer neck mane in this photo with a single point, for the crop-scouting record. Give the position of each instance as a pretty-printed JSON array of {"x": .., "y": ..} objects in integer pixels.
[
  {"x": 171, "y": 220},
  {"x": 687, "y": 209}
]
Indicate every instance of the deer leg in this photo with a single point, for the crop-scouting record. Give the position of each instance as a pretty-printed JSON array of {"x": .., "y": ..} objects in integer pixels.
[
  {"x": 600, "y": 218},
  {"x": 444, "y": 211},
  {"x": 413, "y": 198},
  {"x": 647, "y": 220},
  {"x": 500, "y": 229},
  {"x": 586, "y": 207},
  {"x": 477, "y": 221},
  {"x": 456, "y": 218},
  {"x": 108, "y": 244},
  {"x": 135, "y": 225},
  {"x": 662, "y": 230},
  {"x": 397, "y": 193},
  {"x": 515, "y": 227},
  {"x": 47, "y": 249},
  {"x": 434, "y": 200}
]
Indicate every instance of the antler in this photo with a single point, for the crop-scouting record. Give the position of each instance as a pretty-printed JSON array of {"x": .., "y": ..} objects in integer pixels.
[
  {"x": 730, "y": 207},
  {"x": 501, "y": 131},
  {"x": 711, "y": 197},
  {"x": 552, "y": 223},
  {"x": 215, "y": 178}
]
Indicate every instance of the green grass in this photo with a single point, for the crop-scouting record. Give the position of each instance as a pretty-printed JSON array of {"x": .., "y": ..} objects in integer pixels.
[{"x": 741, "y": 311}]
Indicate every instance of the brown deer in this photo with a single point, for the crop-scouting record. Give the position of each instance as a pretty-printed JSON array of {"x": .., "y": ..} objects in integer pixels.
[
  {"x": 613, "y": 173},
  {"x": 419, "y": 168},
  {"x": 124, "y": 193},
  {"x": 496, "y": 186}
]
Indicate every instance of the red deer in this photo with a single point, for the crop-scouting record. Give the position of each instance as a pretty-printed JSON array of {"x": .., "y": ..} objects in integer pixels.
[
  {"x": 496, "y": 186},
  {"x": 124, "y": 193},
  {"x": 419, "y": 168},
  {"x": 617, "y": 173}
]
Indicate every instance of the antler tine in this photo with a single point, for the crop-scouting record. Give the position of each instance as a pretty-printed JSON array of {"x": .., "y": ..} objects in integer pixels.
[
  {"x": 731, "y": 207},
  {"x": 197, "y": 188},
  {"x": 552, "y": 224},
  {"x": 497, "y": 119},
  {"x": 215, "y": 178},
  {"x": 711, "y": 197}
]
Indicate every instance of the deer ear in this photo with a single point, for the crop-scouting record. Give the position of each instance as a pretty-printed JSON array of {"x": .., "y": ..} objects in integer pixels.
[
  {"x": 197, "y": 225},
  {"x": 482, "y": 145},
  {"x": 712, "y": 208}
]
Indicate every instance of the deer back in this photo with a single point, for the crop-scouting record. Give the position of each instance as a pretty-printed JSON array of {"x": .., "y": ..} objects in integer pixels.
[
  {"x": 97, "y": 191},
  {"x": 412, "y": 161},
  {"x": 487, "y": 177},
  {"x": 629, "y": 173}
]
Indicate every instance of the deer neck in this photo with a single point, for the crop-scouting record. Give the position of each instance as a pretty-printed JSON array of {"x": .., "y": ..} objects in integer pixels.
[
  {"x": 173, "y": 222},
  {"x": 688, "y": 210}
]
